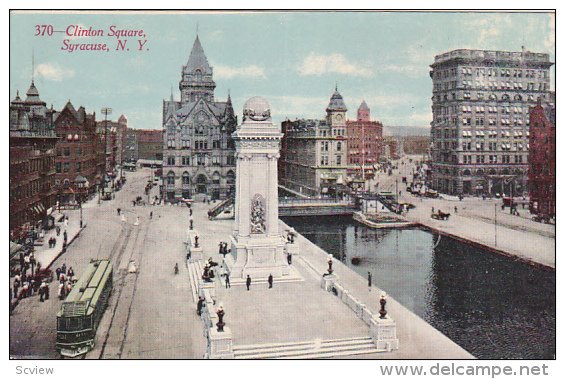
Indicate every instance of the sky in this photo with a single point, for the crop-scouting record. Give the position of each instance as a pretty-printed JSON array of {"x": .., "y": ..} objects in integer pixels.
[{"x": 293, "y": 59}]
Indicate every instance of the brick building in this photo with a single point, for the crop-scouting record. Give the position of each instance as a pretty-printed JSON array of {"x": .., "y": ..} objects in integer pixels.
[
  {"x": 150, "y": 144},
  {"x": 364, "y": 142},
  {"x": 115, "y": 141},
  {"x": 542, "y": 160},
  {"x": 78, "y": 165},
  {"x": 32, "y": 161}
]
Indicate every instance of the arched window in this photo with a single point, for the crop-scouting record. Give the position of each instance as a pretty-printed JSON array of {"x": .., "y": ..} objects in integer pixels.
[
  {"x": 467, "y": 172},
  {"x": 518, "y": 97},
  {"x": 185, "y": 178},
  {"x": 230, "y": 177},
  {"x": 216, "y": 177},
  {"x": 198, "y": 75},
  {"x": 171, "y": 178}
]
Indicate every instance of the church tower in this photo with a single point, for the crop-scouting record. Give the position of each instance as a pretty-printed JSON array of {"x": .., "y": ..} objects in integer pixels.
[{"x": 196, "y": 81}]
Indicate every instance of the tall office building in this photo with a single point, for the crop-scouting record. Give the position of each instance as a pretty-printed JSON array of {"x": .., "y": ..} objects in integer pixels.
[{"x": 479, "y": 132}]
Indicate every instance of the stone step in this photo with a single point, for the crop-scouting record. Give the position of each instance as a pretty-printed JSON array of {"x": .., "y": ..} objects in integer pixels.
[
  {"x": 299, "y": 343},
  {"x": 307, "y": 350}
]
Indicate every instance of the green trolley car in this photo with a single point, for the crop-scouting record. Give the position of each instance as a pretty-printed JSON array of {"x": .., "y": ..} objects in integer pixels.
[{"x": 80, "y": 313}]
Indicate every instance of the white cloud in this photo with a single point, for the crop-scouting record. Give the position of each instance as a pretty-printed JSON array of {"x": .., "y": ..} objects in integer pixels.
[
  {"x": 318, "y": 64},
  {"x": 53, "y": 72},
  {"x": 488, "y": 27},
  {"x": 251, "y": 71}
]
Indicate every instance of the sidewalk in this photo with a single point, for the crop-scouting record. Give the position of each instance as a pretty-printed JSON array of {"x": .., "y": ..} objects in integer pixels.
[
  {"x": 47, "y": 255},
  {"x": 519, "y": 238},
  {"x": 256, "y": 316}
]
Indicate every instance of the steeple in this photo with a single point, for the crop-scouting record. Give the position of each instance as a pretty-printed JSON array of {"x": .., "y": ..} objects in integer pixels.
[
  {"x": 363, "y": 113},
  {"x": 197, "y": 59},
  {"x": 196, "y": 81}
]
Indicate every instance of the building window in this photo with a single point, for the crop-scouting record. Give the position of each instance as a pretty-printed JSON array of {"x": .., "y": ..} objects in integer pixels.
[
  {"x": 58, "y": 167},
  {"x": 338, "y": 147},
  {"x": 338, "y": 160},
  {"x": 66, "y": 166},
  {"x": 170, "y": 160},
  {"x": 186, "y": 161},
  {"x": 185, "y": 178},
  {"x": 67, "y": 152},
  {"x": 79, "y": 166}
]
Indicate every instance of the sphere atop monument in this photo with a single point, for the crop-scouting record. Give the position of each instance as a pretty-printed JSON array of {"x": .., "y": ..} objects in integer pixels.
[{"x": 257, "y": 109}]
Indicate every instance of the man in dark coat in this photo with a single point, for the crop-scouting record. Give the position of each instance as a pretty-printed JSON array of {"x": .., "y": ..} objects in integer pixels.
[
  {"x": 270, "y": 280},
  {"x": 370, "y": 279},
  {"x": 199, "y": 305},
  {"x": 248, "y": 282},
  {"x": 227, "y": 279}
]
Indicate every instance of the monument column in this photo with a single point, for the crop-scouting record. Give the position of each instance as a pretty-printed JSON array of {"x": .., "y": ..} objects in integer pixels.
[{"x": 257, "y": 247}]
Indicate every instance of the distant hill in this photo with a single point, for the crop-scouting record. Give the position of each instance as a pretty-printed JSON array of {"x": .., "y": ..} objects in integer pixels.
[{"x": 406, "y": 130}]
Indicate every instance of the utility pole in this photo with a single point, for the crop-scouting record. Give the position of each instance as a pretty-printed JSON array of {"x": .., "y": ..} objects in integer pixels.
[
  {"x": 495, "y": 226},
  {"x": 105, "y": 112}
]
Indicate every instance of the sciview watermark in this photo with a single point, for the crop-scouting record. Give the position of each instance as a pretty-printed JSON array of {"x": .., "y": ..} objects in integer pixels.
[
  {"x": 35, "y": 370},
  {"x": 460, "y": 370}
]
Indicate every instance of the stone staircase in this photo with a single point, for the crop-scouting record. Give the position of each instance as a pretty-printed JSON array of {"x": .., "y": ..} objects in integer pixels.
[
  {"x": 317, "y": 349},
  {"x": 195, "y": 268}
]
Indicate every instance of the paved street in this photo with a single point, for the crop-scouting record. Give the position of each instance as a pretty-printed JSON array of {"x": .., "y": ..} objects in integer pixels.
[
  {"x": 152, "y": 314},
  {"x": 147, "y": 309},
  {"x": 475, "y": 219}
]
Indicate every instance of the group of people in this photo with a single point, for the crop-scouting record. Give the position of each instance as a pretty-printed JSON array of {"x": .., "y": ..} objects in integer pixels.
[
  {"x": 66, "y": 280},
  {"x": 224, "y": 249}
]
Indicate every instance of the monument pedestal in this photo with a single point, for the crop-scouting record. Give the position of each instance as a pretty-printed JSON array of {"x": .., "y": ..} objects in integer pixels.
[
  {"x": 210, "y": 286},
  {"x": 329, "y": 281},
  {"x": 220, "y": 344},
  {"x": 258, "y": 258},
  {"x": 383, "y": 333}
]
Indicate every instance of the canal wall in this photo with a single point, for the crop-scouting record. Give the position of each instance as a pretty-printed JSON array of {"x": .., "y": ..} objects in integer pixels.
[
  {"x": 418, "y": 339},
  {"x": 479, "y": 245}
]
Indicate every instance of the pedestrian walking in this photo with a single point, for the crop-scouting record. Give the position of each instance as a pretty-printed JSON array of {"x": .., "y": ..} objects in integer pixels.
[
  {"x": 46, "y": 291},
  {"x": 61, "y": 291},
  {"x": 151, "y": 215},
  {"x": 248, "y": 282},
  {"x": 227, "y": 279},
  {"x": 64, "y": 268},
  {"x": 455, "y": 209},
  {"x": 119, "y": 211},
  {"x": 66, "y": 222},
  {"x": 188, "y": 255},
  {"x": 65, "y": 235},
  {"x": 289, "y": 258},
  {"x": 71, "y": 272},
  {"x": 42, "y": 291},
  {"x": 369, "y": 279},
  {"x": 57, "y": 272},
  {"x": 270, "y": 280},
  {"x": 199, "y": 305}
]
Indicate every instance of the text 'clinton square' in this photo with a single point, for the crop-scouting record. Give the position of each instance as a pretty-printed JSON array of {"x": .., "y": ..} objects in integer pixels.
[{"x": 282, "y": 185}]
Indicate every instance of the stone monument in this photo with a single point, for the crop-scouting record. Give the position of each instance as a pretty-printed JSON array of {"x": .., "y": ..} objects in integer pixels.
[{"x": 257, "y": 245}]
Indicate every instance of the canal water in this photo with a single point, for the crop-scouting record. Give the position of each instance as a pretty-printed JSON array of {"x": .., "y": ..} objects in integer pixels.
[{"x": 492, "y": 306}]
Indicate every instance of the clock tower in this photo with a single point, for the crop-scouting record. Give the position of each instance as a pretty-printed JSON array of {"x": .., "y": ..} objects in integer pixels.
[{"x": 335, "y": 112}]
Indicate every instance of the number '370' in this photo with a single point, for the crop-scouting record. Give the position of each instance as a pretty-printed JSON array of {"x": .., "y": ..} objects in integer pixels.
[{"x": 41, "y": 30}]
